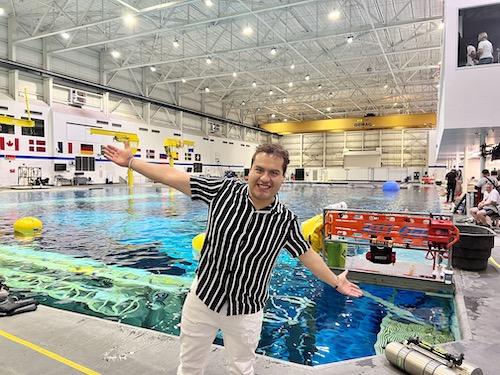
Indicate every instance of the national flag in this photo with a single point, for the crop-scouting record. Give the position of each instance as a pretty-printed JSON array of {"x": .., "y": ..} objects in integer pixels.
[
  {"x": 40, "y": 149},
  {"x": 187, "y": 156},
  {"x": 40, "y": 143},
  {"x": 190, "y": 149},
  {"x": 9, "y": 144},
  {"x": 70, "y": 148},
  {"x": 150, "y": 154},
  {"x": 163, "y": 156},
  {"x": 86, "y": 149}
]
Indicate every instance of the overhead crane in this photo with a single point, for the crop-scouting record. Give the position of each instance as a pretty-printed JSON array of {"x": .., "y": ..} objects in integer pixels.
[
  {"x": 171, "y": 148},
  {"x": 132, "y": 138},
  {"x": 27, "y": 123}
]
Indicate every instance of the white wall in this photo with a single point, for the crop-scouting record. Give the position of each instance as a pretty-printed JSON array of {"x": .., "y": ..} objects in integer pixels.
[
  {"x": 469, "y": 95},
  {"x": 72, "y": 125}
]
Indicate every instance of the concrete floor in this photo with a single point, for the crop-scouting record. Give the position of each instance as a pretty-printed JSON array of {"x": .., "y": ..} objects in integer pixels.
[{"x": 56, "y": 342}]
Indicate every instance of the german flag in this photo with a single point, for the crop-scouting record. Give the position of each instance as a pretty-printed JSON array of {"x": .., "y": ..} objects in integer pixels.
[{"x": 86, "y": 149}]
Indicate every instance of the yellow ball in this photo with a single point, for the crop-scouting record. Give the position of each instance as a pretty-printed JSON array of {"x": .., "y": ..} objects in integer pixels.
[
  {"x": 28, "y": 225},
  {"x": 198, "y": 241}
]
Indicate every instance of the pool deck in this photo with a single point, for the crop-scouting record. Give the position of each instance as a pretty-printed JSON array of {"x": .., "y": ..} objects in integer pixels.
[{"x": 52, "y": 341}]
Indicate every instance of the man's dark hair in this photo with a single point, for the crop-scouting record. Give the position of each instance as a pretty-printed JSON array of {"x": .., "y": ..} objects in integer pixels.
[
  {"x": 273, "y": 149},
  {"x": 486, "y": 171}
]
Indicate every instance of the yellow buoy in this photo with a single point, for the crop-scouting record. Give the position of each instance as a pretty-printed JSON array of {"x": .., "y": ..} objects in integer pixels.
[
  {"x": 198, "y": 241},
  {"x": 28, "y": 225}
]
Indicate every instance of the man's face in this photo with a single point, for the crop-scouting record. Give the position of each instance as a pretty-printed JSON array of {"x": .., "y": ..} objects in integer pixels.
[
  {"x": 488, "y": 187},
  {"x": 265, "y": 178}
]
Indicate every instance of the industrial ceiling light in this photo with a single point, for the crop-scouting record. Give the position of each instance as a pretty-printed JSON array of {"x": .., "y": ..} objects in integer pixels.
[
  {"x": 284, "y": 99},
  {"x": 209, "y": 3},
  {"x": 65, "y": 35},
  {"x": 290, "y": 84},
  {"x": 243, "y": 102},
  {"x": 285, "y": 119},
  {"x": 235, "y": 74},
  {"x": 292, "y": 66},
  {"x": 271, "y": 92},
  {"x": 350, "y": 39},
  {"x": 152, "y": 68},
  {"x": 115, "y": 54},
  {"x": 247, "y": 30},
  {"x": 273, "y": 115},
  {"x": 183, "y": 80},
  {"x": 254, "y": 84},
  {"x": 307, "y": 77},
  {"x": 273, "y": 51},
  {"x": 320, "y": 86},
  {"x": 207, "y": 89},
  {"x": 209, "y": 60},
  {"x": 334, "y": 14},
  {"x": 175, "y": 43}
]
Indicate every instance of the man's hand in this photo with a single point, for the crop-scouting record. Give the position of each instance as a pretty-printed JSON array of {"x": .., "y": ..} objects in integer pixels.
[
  {"x": 346, "y": 287},
  {"x": 118, "y": 156}
]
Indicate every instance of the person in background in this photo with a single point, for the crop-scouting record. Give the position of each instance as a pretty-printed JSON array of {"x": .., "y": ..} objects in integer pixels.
[
  {"x": 471, "y": 56},
  {"x": 451, "y": 184},
  {"x": 247, "y": 226},
  {"x": 487, "y": 207},
  {"x": 481, "y": 184},
  {"x": 460, "y": 180},
  {"x": 484, "y": 49}
]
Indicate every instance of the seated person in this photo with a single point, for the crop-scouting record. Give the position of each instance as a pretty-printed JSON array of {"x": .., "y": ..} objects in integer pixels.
[{"x": 487, "y": 207}]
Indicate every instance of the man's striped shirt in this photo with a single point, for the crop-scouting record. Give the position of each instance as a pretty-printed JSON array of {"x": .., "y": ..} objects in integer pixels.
[{"x": 241, "y": 245}]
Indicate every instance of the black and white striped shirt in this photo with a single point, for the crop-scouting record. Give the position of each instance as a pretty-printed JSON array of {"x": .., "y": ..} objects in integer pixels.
[{"x": 241, "y": 245}]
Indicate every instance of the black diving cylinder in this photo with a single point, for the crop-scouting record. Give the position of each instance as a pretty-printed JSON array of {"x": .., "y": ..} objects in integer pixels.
[{"x": 416, "y": 363}]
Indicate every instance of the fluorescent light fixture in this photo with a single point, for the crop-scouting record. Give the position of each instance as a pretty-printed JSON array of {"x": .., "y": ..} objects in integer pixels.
[
  {"x": 207, "y": 89},
  {"x": 307, "y": 77},
  {"x": 350, "y": 39},
  {"x": 320, "y": 86},
  {"x": 209, "y": 60},
  {"x": 254, "y": 84},
  {"x": 152, "y": 68},
  {"x": 292, "y": 66},
  {"x": 175, "y": 43},
  {"x": 115, "y": 54},
  {"x": 209, "y": 3},
  {"x": 183, "y": 80},
  {"x": 65, "y": 35},
  {"x": 273, "y": 115},
  {"x": 271, "y": 92},
  {"x": 273, "y": 51},
  {"x": 290, "y": 84},
  {"x": 235, "y": 74}
]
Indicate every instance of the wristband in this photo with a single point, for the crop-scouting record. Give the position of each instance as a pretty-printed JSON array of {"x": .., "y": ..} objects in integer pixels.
[{"x": 130, "y": 163}]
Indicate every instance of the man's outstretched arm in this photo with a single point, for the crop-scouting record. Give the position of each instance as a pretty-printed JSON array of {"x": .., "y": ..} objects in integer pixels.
[{"x": 156, "y": 172}]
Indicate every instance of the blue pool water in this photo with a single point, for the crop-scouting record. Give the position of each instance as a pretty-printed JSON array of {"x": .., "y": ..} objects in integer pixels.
[{"x": 126, "y": 255}]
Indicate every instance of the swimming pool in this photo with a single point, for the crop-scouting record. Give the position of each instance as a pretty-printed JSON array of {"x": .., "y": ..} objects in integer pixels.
[{"x": 126, "y": 255}]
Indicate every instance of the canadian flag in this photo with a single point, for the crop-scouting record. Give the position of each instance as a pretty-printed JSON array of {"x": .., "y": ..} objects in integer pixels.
[{"x": 9, "y": 144}]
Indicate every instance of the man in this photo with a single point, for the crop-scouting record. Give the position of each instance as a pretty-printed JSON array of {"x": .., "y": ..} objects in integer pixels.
[
  {"x": 247, "y": 227},
  {"x": 481, "y": 184},
  {"x": 484, "y": 49},
  {"x": 487, "y": 207},
  {"x": 451, "y": 184}
]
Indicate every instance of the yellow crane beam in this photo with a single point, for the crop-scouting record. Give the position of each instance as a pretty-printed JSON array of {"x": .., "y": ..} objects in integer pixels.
[
  {"x": 29, "y": 123},
  {"x": 132, "y": 138},
  {"x": 172, "y": 145}
]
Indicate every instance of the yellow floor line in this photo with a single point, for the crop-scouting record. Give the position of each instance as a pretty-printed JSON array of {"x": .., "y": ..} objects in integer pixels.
[
  {"x": 48, "y": 353},
  {"x": 494, "y": 262}
]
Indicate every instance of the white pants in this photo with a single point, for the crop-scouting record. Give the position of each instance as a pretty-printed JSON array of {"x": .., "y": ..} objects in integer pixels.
[{"x": 199, "y": 327}]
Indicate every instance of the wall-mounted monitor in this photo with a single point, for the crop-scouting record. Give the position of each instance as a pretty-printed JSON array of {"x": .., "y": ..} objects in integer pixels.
[{"x": 60, "y": 167}]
